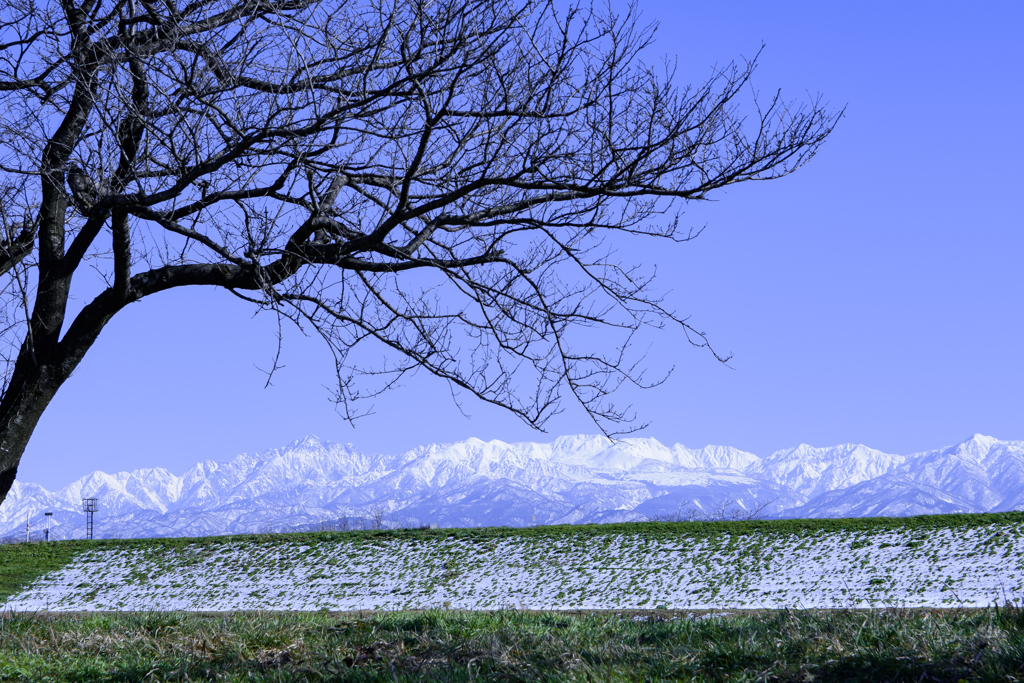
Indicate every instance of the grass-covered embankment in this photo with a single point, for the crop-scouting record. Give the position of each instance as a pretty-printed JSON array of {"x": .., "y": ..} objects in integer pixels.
[
  {"x": 23, "y": 563},
  {"x": 891, "y": 645},
  {"x": 953, "y": 560}
]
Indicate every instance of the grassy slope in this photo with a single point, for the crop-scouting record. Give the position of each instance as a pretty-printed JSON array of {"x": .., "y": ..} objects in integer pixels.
[
  {"x": 20, "y": 564},
  {"x": 23, "y": 563},
  {"x": 976, "y": 645}
]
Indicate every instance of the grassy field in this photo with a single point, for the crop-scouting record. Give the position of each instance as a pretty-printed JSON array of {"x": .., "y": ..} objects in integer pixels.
[
  {"x": 889, "y": 645},
  {"x": 23, "y": 563},
  {"x": 951, "y": 561}
]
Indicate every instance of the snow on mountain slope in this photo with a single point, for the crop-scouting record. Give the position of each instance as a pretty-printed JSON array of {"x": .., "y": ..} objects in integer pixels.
[
  {"x": 980, "y": 474},
  {"x": 890, "y": 495},
  {"x": 812, "y": 471},
  {"x": 574, "y": 479},
  {"x": 981, "y": 470}
]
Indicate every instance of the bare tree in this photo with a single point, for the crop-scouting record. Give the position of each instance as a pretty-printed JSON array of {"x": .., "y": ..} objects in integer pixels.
[
  {"x": 376, "y": 519},
  {"x": 339, "y": 524},
  {"x": 720, "y": 511},
  {"x": 434, "y": 179}
]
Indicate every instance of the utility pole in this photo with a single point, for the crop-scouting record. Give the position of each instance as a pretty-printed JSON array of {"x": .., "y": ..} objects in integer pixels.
[
  {"x": 89, "y": 507},
  {"x": 26, "y": 527}
]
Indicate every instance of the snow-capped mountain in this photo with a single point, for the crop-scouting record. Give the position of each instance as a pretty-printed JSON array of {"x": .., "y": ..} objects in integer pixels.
[{"x": 574, "y": 479}]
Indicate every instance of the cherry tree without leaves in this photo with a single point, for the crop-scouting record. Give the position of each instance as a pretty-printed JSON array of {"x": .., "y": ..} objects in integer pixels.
[{"x": 441, "y": 180}]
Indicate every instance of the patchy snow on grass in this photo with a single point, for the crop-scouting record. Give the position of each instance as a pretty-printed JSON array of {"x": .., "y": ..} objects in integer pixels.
[{"x": 909, "y": 568}]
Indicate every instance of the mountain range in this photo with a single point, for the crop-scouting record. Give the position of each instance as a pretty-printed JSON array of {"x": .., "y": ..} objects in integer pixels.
[{"x": 312, "y": 483}]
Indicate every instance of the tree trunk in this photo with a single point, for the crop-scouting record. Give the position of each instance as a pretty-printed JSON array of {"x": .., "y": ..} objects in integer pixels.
[{"x": 31, "y": 389}]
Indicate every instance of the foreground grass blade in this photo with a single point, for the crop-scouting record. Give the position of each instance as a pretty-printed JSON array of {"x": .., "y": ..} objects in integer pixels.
[{"x": 886, "y": 645}]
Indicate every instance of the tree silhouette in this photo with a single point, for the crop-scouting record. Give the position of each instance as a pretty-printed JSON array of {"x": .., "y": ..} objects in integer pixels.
[{"x": 437, "y": 179}]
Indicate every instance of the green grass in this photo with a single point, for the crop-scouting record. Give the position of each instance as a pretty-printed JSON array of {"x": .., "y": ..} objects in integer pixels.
[
  {"x": 922, "y": 645},
  {"x": 20, "y": 564}
]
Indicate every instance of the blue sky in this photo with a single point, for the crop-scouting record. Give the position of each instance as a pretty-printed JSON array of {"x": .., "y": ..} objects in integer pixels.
[{"x": 876, "y": 296}]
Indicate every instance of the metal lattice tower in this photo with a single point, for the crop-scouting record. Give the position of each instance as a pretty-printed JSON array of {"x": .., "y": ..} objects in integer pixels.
[{"x": 89, "y": 507}]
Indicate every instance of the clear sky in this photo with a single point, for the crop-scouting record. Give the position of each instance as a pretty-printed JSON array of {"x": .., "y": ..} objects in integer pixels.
[{"x": 876, "y": 296}]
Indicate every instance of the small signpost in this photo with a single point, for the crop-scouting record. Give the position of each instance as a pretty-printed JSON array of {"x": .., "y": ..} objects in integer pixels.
[{"x": 47, "y": 532}]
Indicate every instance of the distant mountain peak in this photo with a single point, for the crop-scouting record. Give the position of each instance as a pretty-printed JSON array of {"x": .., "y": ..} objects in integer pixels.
[
  {"x": 308, "y": 441},
  {"x": 982, "y": 441},
  {"x": 572, "y": 479}
]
